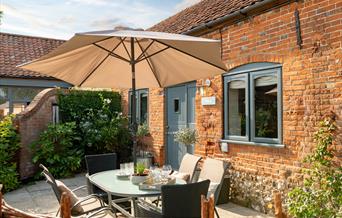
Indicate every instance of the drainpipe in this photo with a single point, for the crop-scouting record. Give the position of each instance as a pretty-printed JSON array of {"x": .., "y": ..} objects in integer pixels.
[{"x": 237, "y": 15}]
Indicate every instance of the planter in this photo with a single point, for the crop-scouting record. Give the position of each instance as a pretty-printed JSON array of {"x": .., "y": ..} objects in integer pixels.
[
  {"x": 189, "y": 149},
  {"x": 137, "y": 179}
]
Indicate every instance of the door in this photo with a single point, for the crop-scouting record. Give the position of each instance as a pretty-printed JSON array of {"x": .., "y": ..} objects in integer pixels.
[{"x": 180, "y": 107}]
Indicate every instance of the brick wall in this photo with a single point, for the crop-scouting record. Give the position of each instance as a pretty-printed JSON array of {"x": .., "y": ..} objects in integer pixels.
[
  {"x": 312, "y": 88},
  {"x": 312, "y": 78},
  {"x": 31, "y": 122}
]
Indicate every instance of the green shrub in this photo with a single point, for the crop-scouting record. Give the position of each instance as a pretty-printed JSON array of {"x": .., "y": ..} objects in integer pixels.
[
  {"x": 9, "y": 145},
  {"x": 55, "y": 149},
  {"x": 99, "y": 121},
  {"x": 75, "y": 104},
  {"x": 320, "y": 195}
]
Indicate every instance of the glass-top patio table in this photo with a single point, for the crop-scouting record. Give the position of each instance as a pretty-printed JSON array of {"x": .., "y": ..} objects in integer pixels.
[{"x": 110, "y": 183}]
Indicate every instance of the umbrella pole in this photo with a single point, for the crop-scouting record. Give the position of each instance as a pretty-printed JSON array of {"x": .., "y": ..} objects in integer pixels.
[{"x": 134, "y": 108}]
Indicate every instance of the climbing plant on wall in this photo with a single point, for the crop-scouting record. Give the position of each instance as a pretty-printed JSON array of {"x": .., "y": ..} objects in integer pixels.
[{"x": 320, "y": 195}]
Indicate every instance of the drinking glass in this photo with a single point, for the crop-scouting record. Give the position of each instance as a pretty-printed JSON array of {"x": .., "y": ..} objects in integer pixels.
[
  {"x": 166, "y": 171},
  {"x": 122, "y": 169},
  {"x": 131, "y": 167},
  {"x": 127, "y": 169}
]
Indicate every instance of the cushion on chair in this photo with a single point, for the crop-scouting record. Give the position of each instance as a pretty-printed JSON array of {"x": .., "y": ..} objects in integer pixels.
[
  {"x": 212, "y": 187},
  {"x": 73, "y": 198},
  {"x": 183, "y": 176}
]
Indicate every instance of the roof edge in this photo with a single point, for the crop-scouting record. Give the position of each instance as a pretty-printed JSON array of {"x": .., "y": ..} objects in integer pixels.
[
  {"x": 237, "y": 15},
  {"x": 29, "y": 36}
]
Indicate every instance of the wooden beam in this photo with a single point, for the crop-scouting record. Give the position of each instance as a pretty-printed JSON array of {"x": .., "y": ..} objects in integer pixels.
[
  {"x": 65, "y": 206},
  {"x": 278, "y": 211},
  {"x": 0, "y": 200},
  {"x": 207, "y": 207}
]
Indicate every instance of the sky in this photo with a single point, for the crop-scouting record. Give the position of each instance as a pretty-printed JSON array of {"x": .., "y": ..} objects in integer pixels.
[{"x": 61, "y": 19}]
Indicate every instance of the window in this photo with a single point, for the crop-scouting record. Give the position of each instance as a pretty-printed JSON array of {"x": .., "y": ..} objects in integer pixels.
[
  {"x": 252, "y": 105},
  {"x": 141, "y": 105},
  {"x": 15, "y": 99}
]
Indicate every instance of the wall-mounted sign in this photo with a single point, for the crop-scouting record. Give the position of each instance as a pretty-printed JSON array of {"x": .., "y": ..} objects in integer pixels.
[{"x": 208, "y": 100}]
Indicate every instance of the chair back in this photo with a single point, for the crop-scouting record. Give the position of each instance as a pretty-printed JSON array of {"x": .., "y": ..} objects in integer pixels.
[
  {"x": 100, "y": 162},
  {"x": 188, "y": 165},
  {"x": 51, "y": 181},
  {"x": 214, "y": 170},
  {"x": 183, "y": 200}
]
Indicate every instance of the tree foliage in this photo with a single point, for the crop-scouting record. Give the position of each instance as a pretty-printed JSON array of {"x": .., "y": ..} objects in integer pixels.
[{"x": 9, "y": 145}]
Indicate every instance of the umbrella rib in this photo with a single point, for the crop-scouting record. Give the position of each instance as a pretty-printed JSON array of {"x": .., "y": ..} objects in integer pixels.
[
  {"x": 122, "y": 41},
  {"x": 191, "y": 55},
  {"x": 143, "y": 51},
  {"x": 157, "y": 52},
  {"x": 112, "y": 53},
  {"x": 98, "y": 65},
  {"x": 150, "y": 65}
]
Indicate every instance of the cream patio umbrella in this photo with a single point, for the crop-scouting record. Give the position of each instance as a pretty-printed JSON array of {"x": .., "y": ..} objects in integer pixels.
[{"x": 131, "y": 59}]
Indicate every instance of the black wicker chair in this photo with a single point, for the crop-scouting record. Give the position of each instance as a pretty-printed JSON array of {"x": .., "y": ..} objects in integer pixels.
[
  {"x": 98, "y": 163},
  {"x": 178, "y": 201}
]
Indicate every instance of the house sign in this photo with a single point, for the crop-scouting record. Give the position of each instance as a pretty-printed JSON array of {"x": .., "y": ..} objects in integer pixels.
[{"x": 208, "y": 100}]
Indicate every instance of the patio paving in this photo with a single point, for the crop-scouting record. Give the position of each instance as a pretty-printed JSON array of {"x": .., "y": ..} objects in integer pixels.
[{"x": 38, "y": 197}]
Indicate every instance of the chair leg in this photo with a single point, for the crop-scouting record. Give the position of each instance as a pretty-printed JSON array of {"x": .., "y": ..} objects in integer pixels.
[{"x": 217, "y": 215}]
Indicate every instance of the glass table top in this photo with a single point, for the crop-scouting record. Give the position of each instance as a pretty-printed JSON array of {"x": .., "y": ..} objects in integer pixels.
[{"x": 110, "y": 183}]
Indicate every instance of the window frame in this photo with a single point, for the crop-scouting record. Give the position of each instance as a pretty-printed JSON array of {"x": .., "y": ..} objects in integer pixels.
[
  {"x": 252, "y": 76},
  {"x": 250, "y": 72},
  {"x": 227, "y": 80},
  {"x": 138, "y": 93}
]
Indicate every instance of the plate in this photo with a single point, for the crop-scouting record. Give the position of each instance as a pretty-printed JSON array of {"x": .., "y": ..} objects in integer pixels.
[{"x": 122, "y": 176}]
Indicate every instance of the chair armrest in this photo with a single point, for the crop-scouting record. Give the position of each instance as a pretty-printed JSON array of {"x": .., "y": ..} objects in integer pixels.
[
  {"x": 89, "y": 197},
  {"x": 79, "y": 188},
  {"x": 99, "y": 213},
  {"x": 145, "y": 209}
]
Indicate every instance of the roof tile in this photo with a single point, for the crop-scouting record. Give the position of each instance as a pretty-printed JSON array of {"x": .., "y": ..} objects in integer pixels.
[
  {"x": 18, "y": 49},
  {"x": 200, "y": 13}
]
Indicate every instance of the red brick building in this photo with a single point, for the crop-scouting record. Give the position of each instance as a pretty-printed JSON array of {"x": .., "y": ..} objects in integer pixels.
[{"x": 284, "y": 75}]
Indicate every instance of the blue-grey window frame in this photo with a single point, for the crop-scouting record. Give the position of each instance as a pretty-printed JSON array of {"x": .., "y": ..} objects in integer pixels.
[
  {"x": 227, "y": 80},
  {"x": 138, "y": 93},
  {"x": 252, "y": 71}
]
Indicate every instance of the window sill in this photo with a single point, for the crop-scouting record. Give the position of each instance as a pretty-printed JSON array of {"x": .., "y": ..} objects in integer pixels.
[{"x": 253, "y": 143}]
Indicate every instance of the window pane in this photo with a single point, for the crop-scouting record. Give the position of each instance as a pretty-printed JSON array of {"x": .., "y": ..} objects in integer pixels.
[
  {"x": 24, "y": 94},
  {"x": 265, "y": 101},
  {"x": 143, "y": 108},
  {"x": 3, "y": 95},
  {"x": 237, "y": 108},
  {"x": 176, "y": 105}
]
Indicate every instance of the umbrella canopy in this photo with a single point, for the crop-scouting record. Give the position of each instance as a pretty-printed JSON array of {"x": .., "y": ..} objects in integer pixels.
[
  {"x": 102, "y": 59},
  {"x": 131, "y": 59}
]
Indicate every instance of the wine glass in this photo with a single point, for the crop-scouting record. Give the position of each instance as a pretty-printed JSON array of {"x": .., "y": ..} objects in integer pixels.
[{"x": 166, "y": 170}]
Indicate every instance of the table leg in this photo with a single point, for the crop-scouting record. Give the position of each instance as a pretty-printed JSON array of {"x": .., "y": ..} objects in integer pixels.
[
  {"x": 109, "y": 201},
  {"x": 134, "y": 206}
]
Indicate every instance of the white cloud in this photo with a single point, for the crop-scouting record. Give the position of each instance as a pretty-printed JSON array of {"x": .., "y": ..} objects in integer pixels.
[
  {"x": 185, "y": 4},
  {"x": 25, "y": 16},
  {"x": 89, "y": 2}
]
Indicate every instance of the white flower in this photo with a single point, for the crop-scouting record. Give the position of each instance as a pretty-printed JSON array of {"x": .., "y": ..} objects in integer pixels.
[{"x": 107, "y": 101}]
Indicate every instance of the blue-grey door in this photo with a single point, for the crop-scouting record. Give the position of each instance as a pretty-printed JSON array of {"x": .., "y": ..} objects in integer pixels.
[{"x": 180, "y": 107}]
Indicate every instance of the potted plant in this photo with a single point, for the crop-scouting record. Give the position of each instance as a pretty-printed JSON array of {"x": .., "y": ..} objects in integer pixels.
[
  {"x": 187, "y": 137},
  {"x": 139, "y": 176}
]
